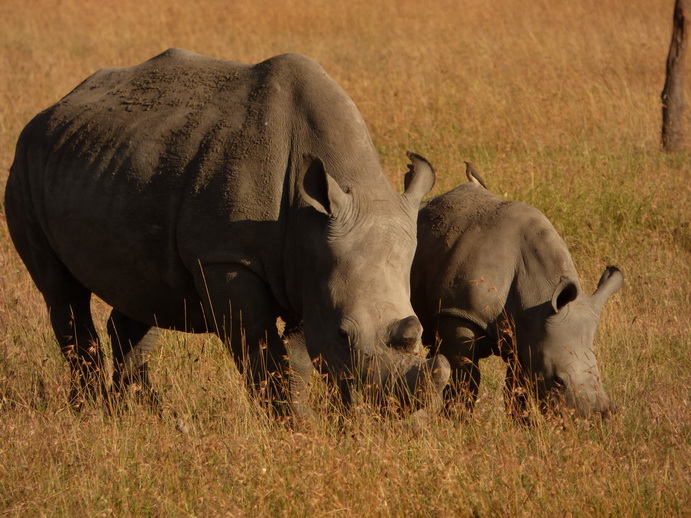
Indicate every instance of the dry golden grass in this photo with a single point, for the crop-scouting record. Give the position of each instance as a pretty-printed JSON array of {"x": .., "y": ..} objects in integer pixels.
[{"x": 558, "y": 102}]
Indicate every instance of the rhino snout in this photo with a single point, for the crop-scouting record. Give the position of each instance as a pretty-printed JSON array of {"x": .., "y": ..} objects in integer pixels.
[
  {"x": 602, "y": 408},
  {"x": 439, "y": 370},
  {"x": 431, "y": 375},
  {"x": 587, "y": 399},
  {"x": 413, "y": 381},
  {"x": 406, "y": 335}
]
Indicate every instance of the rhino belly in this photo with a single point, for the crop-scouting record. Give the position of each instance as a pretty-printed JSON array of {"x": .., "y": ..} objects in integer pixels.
[{"x": 126, "y": 253}]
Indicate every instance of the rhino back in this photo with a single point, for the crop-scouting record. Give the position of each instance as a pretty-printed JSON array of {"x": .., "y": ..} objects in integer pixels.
[
  {"x": 479, "y": 253},
  {"x": 142, "y": 172}
]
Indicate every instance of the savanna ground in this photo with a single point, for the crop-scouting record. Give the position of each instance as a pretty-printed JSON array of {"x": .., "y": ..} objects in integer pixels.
[{"x": 557, "y": 102}]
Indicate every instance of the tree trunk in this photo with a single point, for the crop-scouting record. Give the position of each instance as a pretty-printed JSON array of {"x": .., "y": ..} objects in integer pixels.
[{"x": 673, "y": 91}]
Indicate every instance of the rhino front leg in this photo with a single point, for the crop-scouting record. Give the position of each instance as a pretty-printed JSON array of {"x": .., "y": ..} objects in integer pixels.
[
  {"x": 242, "y": 311},
  {"x": 299, "y": 372},
  {"x": 132, "y": 343},
  {"x": 461, "y": 345},
  {"x": 465, "y": 384}
]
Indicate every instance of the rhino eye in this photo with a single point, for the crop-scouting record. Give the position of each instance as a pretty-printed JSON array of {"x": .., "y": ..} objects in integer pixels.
[
  {"x": 343, "y": 334},
  {"x": 559, "y": 382}
]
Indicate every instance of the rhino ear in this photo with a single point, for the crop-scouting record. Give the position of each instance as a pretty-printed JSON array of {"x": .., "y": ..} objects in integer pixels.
[
  {"x": 565, "y": 292},
  {"x": 321, "y": 191},
  {"x": 419, "y": 179},
  {"x": 612, "y": 280}
]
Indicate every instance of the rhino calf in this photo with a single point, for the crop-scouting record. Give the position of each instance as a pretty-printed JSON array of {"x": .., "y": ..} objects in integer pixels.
[
  {"x": 492, "y": 276},
  {"x": 204, "y": 195}
]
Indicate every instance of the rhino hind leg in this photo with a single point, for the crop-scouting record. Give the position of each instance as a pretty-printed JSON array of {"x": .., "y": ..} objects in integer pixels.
[
  {"x": 67, "y": 300},
  {"x": 132, "y": 343},
  {"x": 69, "y": 307},
  {"x": 242, "y": 312},
  {"x": 70, "y": 317}
]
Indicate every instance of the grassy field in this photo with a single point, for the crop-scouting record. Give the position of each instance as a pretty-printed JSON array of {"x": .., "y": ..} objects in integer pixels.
[{"x": 557, "y": 102}]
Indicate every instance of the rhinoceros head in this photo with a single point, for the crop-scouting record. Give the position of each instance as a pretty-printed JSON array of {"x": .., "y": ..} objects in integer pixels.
[
  {"x": 560, "y": 355},
  {"x": 356, "y": 301}
]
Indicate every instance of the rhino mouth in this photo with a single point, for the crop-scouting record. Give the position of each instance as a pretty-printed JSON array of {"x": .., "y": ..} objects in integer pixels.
[
  {"x": 403, "y": 381},
  {"x": 559, "y": 397},
  {"x": 567, "y": 401}
]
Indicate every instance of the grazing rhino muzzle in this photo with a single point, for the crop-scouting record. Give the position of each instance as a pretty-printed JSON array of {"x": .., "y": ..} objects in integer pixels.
[
  {"x": 492, "y": 276},
  {"x": 415, "y": 382},
  {"x": 204, "y": 195}
]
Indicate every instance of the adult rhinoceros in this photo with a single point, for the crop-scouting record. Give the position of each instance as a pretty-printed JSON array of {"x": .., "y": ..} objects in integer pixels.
[
  {"x": 492, "y": 276},
  {"x": 208, "y": 196}
]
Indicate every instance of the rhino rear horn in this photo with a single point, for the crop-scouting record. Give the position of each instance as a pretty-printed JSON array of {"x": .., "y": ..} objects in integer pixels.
[
  {"x": 565, "y": 292},
  {"x": 612, "y": 280},
  {"x": 321, "y": 191},
  {"x": 420, "y": 177}
]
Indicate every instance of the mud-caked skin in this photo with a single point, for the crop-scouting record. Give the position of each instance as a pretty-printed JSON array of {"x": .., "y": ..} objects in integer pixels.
[
  {"x": 209, "y": 196},
  {"x": 492, "y": 276}
]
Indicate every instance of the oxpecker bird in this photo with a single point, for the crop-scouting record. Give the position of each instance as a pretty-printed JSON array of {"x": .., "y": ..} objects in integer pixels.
[{"x": 473, "y": 174}]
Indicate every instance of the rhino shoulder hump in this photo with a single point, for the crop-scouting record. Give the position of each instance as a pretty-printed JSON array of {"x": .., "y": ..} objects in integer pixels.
[
  {"x": 177, "y": 54},
  {"x": 294, "y": 60}
]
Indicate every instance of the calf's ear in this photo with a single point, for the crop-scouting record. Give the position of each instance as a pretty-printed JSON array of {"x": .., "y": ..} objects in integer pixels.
[
  {"x": 612, "y": 280},
  {"x": 419, "y": 179},
  {"x": 565, "y": 292},
  {"x": 321, "y": 191}
]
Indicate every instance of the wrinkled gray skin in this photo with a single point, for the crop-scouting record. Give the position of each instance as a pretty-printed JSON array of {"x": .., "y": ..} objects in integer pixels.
[
  {"x": 208, "y": 196},
  {"x": 486, "y": 269}
]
